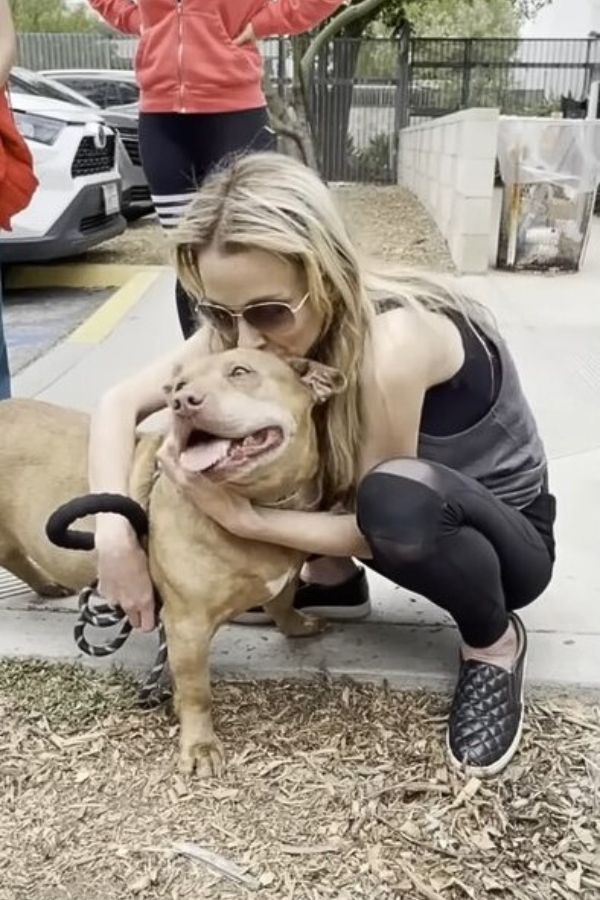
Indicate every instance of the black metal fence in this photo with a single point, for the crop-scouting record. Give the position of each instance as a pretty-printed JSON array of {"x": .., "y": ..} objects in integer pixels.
[
  {"x": 359, "y": 105},
  {"x": 520, "y": 77},
  {"x": 365, "y": 90}
]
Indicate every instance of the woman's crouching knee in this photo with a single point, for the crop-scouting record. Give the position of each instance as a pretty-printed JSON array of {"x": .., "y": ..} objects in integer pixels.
[{"x": 398, "y": 512}]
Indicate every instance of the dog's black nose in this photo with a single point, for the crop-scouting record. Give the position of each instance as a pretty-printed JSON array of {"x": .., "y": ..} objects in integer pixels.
[{"x": 187, "y": 401}]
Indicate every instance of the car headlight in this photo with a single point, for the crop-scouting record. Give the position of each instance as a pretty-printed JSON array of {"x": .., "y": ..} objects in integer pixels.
[{"x": 38, "y": 128}]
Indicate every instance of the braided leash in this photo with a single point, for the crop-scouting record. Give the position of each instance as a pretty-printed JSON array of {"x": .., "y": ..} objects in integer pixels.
[
  {"x": 93, "y": 610},
  {"x": 99, "y": 615}
]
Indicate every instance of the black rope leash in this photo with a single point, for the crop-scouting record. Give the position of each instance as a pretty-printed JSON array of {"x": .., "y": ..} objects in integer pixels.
[{"x": 93, "y": 611}]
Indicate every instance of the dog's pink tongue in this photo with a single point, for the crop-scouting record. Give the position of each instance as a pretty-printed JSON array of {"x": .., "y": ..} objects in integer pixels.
[{"x": 202, "y": 456}]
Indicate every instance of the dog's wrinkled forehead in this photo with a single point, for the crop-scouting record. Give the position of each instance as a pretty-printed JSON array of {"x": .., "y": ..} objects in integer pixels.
[{"x": 247, "y": 370}]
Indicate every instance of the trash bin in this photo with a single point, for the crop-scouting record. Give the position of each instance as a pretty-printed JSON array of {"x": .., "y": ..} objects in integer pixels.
[{"x": 550, "y": 169}]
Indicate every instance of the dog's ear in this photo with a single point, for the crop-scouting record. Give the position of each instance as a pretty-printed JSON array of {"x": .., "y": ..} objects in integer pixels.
[{"x": 321, "y": 380}]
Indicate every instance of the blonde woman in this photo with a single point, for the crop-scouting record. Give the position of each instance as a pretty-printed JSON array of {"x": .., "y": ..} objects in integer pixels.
[{"x": 434, "y": 473}]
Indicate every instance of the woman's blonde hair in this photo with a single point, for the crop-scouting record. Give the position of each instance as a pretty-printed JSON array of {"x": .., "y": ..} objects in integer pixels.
[{"x": 273, "y": 203}]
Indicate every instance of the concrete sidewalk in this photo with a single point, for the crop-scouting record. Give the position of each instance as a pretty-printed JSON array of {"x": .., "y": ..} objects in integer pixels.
[{"x": 552, "y": 323}]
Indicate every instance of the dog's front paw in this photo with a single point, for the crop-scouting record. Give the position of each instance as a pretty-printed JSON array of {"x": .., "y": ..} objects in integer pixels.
[
  {"x": 304, "y": 626},
  {"x": 204, "y": 758}
]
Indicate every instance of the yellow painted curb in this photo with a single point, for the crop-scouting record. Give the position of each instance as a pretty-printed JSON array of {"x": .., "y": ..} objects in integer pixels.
[
  {"x": 104, "y": 320},
  {"x": 77, "y": 275}
]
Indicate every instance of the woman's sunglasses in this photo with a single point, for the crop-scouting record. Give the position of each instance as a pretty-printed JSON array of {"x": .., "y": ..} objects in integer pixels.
[{"x": 266, "y": 316}]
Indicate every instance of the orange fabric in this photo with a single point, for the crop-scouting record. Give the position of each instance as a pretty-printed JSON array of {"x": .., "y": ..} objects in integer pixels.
[
  {"x": 17, "y": 179},
  {"x": 186, "y": 60}
]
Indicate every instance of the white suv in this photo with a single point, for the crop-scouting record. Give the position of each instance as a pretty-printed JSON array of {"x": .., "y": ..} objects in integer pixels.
[
  {"x": 135, "y": 198},
  {"x": 78, "y": 202}
]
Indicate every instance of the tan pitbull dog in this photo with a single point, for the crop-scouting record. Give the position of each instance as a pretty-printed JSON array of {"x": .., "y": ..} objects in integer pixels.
[{"x": 243, "y": 417}]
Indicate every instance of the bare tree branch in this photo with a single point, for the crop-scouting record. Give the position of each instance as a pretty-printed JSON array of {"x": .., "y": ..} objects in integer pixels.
[
  {"x": 349, "y": 15},
  {"x": 286, "y": 122}
]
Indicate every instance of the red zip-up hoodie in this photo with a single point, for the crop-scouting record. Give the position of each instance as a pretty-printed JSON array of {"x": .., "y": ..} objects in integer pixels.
[
  {"x": 17, "y": 179},
  {"x": 186, "y": 60}
]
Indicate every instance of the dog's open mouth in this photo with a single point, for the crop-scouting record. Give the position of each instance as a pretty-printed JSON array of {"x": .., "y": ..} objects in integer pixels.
[{"x": 203, "y": 452}]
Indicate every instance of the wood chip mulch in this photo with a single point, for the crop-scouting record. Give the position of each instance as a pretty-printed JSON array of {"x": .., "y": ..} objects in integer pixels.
[{"x": 332, "y": 790}]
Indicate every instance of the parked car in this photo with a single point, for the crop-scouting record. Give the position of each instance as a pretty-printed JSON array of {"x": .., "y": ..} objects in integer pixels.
[
  {"x": 135, "y": 192},
  {"x": 107, "y": 88},
  {"x": 78, "y": 202}
]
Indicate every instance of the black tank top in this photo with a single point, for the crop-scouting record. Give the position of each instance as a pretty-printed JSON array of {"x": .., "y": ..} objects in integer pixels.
[{"x": 463, "y": 400}]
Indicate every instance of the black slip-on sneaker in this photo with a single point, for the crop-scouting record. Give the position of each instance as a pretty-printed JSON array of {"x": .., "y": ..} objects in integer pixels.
[
  {"x": 486, "y": 718},
  {"x": 344, "y": 602}
]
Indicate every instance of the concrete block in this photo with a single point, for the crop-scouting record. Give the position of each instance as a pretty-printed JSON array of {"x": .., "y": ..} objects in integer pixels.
[
  {"x": 475, "y": 177},
  {"x": 445, "y": 209},
  {"x": 472, "y": 215},
  {"x": 470, "y": 253},
  {"x": 446, "y": 169},
  {"x": 433, "y": 196},
  {"x": 479, "y": 140},
  {"x": 451, "y": 136},
  {"x": 433, "y": 166}
]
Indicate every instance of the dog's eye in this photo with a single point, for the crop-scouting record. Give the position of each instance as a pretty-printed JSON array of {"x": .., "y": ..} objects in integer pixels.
[
  {"x": 239, "y": 372},
  {"x": 180, "y": 386}
]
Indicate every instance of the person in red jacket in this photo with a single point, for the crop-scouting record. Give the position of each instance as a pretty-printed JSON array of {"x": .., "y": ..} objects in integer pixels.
[
  {"x": 7, "y": 55},
  {"x": 200, "y": 76}
]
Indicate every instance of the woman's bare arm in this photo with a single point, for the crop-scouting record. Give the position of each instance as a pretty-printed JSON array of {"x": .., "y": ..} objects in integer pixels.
[
  {"x": 122, "y": 564},
  {"x": 121, "y": 409}
]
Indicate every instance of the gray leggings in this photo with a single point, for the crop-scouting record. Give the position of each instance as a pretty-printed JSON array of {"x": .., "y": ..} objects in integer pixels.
[{"x": 443, "y": 535}]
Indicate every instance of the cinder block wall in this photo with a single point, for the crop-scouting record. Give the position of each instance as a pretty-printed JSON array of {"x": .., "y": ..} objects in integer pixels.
[{"x": 449, "y": 164}]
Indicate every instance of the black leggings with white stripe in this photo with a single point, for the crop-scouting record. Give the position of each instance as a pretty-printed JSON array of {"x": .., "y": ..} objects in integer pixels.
[{"x": 179, "y": 149}]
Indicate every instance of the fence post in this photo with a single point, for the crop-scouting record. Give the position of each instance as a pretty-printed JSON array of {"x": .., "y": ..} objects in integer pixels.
[
  {"x": 467, "y": 66},
  {"x": 402, "y": 97},
  {"x": 402, "y": 111},
  {"x": 281, "y": 68}
]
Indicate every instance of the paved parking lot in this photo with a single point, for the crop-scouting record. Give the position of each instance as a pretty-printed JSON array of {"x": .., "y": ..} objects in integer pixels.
[{"x": 36, "y": 320}]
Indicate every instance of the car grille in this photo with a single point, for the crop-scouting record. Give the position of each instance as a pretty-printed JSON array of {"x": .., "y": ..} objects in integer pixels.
[
  {"x": 91, "y": 160},
  {"x": 139, "y": 192},
  {"x": 130, "y": 139},
  {"x": 93, "y": 223}
]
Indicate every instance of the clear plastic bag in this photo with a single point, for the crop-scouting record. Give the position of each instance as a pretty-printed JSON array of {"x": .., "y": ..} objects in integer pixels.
[
  {"x": 550, "y": 169},
  {"x": 561, "y": 151}
]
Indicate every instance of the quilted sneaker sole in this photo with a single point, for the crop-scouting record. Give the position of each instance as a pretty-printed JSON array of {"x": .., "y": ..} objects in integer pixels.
[{"x": 501, "y": 763}]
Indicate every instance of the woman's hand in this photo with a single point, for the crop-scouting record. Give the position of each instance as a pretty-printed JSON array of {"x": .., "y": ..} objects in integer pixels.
[
  {"x": 231, "y": 511},
  {"x": 123, "y": 575},
  {"x": 246, "y": 36}
]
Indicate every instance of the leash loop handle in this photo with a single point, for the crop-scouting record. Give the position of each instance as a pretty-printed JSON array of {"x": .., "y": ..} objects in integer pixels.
[
  {"x": 58, "y": 526},
  {"x": 93, "y": 610}
]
